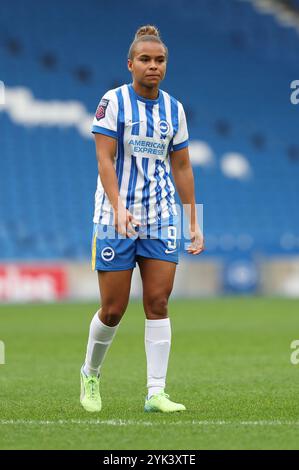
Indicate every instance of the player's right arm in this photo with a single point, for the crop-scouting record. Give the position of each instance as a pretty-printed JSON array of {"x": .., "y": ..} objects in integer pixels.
[
  {"x": 105, "y": 152},
  {"x": 105, "y": 130}
]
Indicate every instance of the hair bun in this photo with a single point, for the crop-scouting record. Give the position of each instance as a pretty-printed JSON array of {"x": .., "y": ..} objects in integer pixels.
[{"x": 147, "y": 30}]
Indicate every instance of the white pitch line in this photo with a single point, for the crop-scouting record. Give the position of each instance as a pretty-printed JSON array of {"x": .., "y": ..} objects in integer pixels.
[{"x": 120, "y": 422}]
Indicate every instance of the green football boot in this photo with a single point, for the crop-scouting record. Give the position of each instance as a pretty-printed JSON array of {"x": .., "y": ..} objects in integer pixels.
[
  {"x": 161, "y": 403},
  {"x": 90, "y": 392}
]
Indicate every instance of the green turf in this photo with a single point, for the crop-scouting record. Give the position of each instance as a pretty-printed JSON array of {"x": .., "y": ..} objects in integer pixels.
[{"x": 230, "y": 365}]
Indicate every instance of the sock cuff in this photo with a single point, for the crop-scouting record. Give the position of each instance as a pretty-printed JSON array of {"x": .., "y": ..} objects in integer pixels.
[
  {"x": 102, "y": 325},
  {"x": 157, "y": 323}
]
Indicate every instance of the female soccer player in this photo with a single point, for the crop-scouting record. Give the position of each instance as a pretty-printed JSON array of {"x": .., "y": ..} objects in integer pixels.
[{"x": 140, "y": 132}]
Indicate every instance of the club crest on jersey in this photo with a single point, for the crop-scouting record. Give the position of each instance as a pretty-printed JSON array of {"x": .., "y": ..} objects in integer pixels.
[
  {"x": 164, "y": 128},
  {"x": 101, "y": 109}
]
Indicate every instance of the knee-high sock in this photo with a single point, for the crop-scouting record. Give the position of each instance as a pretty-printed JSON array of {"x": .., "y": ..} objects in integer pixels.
[
  {"x": 157, "y": 347},
  {"x": 99, "y": 340}
]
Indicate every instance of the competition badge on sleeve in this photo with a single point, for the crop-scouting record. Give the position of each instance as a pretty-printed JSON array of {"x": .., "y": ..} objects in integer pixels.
[{"x": 101, "y": 109}]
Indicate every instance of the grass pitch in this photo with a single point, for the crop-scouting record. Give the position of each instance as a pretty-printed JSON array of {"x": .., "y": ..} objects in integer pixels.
[{"x": 229, "y": 364}]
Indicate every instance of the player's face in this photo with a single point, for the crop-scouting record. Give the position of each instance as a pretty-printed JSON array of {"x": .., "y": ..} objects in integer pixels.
[{"x": 149, "y": 64}]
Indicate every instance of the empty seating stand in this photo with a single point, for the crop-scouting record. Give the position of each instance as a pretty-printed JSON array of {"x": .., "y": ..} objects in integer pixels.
[{"x": 230, "y": 65}]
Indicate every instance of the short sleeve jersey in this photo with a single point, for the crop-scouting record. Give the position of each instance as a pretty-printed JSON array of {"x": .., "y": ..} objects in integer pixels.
[{"x": 146, "y": 132}]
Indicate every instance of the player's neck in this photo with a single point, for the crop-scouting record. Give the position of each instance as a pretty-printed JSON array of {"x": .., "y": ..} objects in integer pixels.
[{"x": 148, "y": 93}]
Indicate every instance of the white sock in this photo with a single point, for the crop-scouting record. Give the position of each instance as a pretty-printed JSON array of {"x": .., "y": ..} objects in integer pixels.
[
  {"x": 99, "y": 340},
  {"x": 157, "y": 347}
]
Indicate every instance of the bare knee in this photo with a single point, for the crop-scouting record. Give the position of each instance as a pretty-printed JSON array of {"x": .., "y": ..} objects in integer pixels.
[
  {"x": 156, "y": 307},
  {"x": 111, "y": 315}
]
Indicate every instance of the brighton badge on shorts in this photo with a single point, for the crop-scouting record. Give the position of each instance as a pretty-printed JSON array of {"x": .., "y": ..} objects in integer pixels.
[
  {"x": 101, "y": 109},
  {"x": 107, "y": 254}
]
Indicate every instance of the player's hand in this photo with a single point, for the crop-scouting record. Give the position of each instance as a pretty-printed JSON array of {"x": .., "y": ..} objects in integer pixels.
[
  {"x": 197, "y": 241},
  {"x": 124, "y": 221},
  {"x": 130, "y": 221}
]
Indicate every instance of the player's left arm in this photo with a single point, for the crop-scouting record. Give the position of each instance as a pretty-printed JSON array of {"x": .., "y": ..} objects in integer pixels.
[{"x": 184, "y": 181}]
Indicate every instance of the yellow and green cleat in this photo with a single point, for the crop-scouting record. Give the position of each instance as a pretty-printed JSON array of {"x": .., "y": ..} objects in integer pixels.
[
  {"x": 90, "y": 392},
  {"x": 161, "y": 403}
]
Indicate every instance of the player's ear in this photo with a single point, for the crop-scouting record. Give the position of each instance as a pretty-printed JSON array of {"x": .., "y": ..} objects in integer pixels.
[{"x": 130, "y": 63}]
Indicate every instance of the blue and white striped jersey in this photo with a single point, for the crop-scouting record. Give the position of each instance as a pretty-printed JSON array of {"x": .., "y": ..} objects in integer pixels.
[{"x": 146, "y": 131}]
